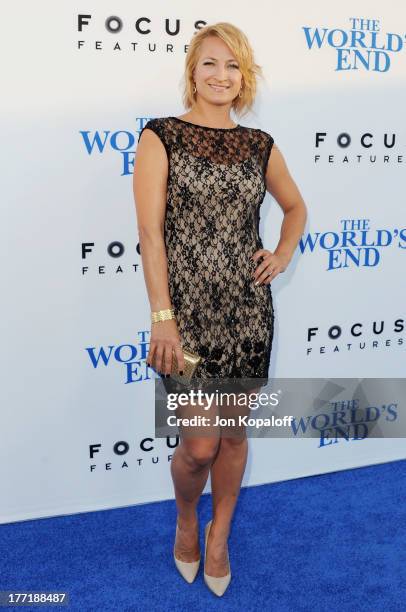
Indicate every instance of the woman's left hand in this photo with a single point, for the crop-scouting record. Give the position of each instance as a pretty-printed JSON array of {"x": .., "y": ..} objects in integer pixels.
[{"x": 270, "y": 267}]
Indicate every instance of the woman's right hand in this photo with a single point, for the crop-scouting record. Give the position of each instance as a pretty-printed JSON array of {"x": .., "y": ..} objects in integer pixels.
[{"x": 165, "y": 340}]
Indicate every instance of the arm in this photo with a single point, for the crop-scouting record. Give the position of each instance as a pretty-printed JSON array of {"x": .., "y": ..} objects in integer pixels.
[
  {"x": 281, "y": 185},
  {"x": 150, "y": 191}
]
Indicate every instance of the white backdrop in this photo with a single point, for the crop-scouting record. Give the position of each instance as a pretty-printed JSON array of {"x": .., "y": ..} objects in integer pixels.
[{"x": 77, "y": 412}]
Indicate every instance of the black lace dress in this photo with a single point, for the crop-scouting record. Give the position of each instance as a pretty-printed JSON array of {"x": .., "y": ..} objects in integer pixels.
[{"x": 216, "y": 185}]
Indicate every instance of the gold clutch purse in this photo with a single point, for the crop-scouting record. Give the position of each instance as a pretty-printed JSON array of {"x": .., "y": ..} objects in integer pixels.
[{"x": 192, "y": 360}]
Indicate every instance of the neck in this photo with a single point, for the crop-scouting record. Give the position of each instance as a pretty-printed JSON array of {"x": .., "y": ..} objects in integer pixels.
[{"x": 215, "y": 116}]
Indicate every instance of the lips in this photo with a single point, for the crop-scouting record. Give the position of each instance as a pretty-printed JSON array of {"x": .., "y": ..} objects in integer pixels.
[{"x": 218, "y": 87}]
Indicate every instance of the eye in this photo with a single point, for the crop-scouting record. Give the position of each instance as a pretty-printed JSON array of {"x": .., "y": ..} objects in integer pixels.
[{"x": 206, "y": 63}]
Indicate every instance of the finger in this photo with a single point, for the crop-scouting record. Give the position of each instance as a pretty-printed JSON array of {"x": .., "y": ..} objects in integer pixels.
[
  {"x": 151, "y": 354},
  {"x": 158, "y": 357},
  {"x": 179, "y": 357},
  {"x": 168, "y": 359},
  {"x": 262, "y": 268},
  {"x": 274, "y": 274},
  {"x": 267, "y": 276},
  {"x": 258, "y": 271},
  {"x": 261, "y": 253},
  {"x": 267, "y": 260}
]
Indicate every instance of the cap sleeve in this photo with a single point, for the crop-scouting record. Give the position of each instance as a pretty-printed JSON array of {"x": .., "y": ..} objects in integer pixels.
[{"x": 156, "y": 125}]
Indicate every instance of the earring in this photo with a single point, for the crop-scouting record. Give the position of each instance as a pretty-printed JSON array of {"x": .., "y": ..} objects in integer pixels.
[{"x": 194, "y": 89}]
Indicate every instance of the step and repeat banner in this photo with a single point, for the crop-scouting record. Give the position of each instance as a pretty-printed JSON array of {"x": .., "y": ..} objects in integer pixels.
[{"x": 79, "y": 84}]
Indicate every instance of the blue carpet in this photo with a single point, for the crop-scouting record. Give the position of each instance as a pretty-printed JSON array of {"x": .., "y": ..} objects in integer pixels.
[{"x": 330, "y": 542}]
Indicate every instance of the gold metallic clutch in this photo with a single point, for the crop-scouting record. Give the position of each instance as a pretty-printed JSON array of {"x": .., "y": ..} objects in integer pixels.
[{"x": 192, "y": 360}]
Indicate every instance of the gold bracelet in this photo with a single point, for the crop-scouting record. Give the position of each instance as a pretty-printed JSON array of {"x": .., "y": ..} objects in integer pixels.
[{"x": 162, "y": 315}]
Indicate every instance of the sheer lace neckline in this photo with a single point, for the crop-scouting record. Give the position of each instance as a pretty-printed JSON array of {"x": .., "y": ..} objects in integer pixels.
[{"x": 205, "y": 127}]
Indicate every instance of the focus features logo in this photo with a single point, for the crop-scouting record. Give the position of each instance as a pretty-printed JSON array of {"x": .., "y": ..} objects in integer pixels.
[{"x": 133, "y": 34}]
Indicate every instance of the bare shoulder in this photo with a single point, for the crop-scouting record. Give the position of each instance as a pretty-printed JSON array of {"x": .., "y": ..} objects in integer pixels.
[
  {"x": 155, "y": 127},
  {"x": 151, "y": 159},
  {"x": 152, "y": 143}
]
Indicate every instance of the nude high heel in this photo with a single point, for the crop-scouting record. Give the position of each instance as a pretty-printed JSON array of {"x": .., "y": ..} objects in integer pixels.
[
  {"x": 217, "y": 584},
  {"x": 187, "y": 569}
]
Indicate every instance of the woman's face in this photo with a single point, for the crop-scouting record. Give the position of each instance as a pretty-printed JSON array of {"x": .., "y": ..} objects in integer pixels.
[{"x": 217, "y": 75}]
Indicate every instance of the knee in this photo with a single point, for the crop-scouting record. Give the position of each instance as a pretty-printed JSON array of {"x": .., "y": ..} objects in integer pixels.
[
  {"x": 203, "y": 453},
  {"x": 235, "y": 442}
]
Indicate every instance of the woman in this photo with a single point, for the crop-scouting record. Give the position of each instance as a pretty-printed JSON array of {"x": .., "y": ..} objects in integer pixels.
[{"x": 199, "y": 181}]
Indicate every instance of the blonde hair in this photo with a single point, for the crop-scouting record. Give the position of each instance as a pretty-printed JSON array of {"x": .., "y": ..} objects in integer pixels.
[{"x": 240, "y": 46}]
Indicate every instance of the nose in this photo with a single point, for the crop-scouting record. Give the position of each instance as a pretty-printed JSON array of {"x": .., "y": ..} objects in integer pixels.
[{"x": 221, "y": 73}]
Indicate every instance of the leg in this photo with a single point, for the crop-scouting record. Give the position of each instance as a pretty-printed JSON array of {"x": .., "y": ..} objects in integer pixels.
[
  {"x": 227, "y": 472},
  {"x": 190, "y": 468}
]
